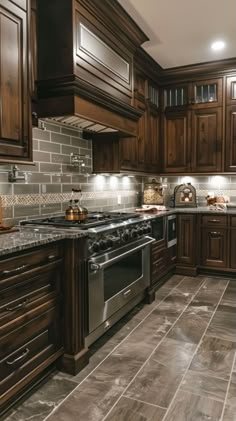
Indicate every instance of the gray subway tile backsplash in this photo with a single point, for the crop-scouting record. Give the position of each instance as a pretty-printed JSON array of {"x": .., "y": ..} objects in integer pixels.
[{"x": 53, "y": 176}]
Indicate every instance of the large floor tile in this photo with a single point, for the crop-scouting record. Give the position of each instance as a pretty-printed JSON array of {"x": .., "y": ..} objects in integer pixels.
[
  {"x": 229, "y": 297},
  {"x": 173, "y": 282},
  {"x": 132, "y": 410},
  {"x": 43, "y": 401},
  {"x": 190, "y": 326},
  {"x": 159, "y": 379},
  {"x": 223, "y": 325},
  {"x": 189, "y": 407},
  {"x": 176, "y": 298},
  {"x": 190, "y": 284},
  {"x": 214, "y": 357},
  {"x": 205, "y": 386},
  {"x": 144, "y": 339},
  {"x": 209, "y": 294},
  {"x": 231, "y": 398},
  {"x": 229, "y": 415}
]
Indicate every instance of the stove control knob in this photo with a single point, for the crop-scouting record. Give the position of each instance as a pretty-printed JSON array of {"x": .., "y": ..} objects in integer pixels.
[
  {"x": 126, "y": 235},
  {"x": 109, "y": 242},
  {"x": 146, "y": 229},
  {"x": 133, "y": 233},
  {"x": 102, "y": 245},
  {"x": 140, "y": 231},
  {"x": 95, "y": 247}
]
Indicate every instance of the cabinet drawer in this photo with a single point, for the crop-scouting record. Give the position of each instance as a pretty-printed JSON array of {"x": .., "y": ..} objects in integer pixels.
[
  {"x": 18, "y": 336},
  {"x": 32, "y": 293},
  {"x": 23, "y": 360},
  {"x": 28, "y": 262},
  {"x": 233, "y": 221},
  {"x": 213, "y": 220}
]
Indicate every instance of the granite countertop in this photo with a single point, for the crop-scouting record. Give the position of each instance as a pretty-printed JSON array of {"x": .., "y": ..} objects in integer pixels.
[
  {"x": 33, "y": 236},
  {"x": 198, "y": 210}
]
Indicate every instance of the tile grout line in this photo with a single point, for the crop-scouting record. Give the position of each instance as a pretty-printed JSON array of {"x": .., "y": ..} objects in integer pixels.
[
  {"x": 154, "y": 350},
  {"x": 146, "y": 403},
  {"x": 227, "y": 391},
  {"x": 195, "y": 352},
  {"x": 79, "y": 384}
]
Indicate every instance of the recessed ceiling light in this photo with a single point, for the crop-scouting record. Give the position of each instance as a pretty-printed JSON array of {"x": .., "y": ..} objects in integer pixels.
[{"x": 218, "y": 45}]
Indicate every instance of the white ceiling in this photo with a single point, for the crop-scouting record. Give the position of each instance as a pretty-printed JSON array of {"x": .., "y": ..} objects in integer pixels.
[{"x": 181, "y": 31}]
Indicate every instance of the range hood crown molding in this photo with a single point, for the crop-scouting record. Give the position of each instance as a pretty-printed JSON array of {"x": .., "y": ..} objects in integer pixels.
[{"x": 63, "y": 97}]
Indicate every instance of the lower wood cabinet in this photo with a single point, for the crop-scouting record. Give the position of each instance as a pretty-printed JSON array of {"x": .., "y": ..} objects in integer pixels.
[
  {"x": 30, "y": 318},
  {"x": 186, "y": 244},
  {"x": 233, "y": 248},
  {"x": 214, "y": 247}
]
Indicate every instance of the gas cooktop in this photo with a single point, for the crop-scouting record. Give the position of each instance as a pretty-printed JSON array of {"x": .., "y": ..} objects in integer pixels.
[{"x": 94, "y": 219}]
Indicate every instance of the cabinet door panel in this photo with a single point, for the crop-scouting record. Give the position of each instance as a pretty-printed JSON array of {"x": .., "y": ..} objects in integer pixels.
[
  {"x": 14, "y": 129},
  {"x": 231, "y": 90},
  {"x": 214, "y": 248},
  {"x": 176, "y": 142},
  {"x": 186, "y": 245},
  {"x": 230, "y": 142},
  {"x": 153, "y": 141},
  {"x": 207, "y": 93},
  {"x": 233, "y": 249},
  {"x": 128, "y": 152},
  {"x": 207, "y": 139}
]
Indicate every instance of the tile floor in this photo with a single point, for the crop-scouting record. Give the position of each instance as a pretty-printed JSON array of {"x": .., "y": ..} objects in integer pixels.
[{"x": 173, "y": 360}]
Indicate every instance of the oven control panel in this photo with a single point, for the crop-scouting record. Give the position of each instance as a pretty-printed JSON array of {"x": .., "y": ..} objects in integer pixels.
[{"x": 99, "y": 243}]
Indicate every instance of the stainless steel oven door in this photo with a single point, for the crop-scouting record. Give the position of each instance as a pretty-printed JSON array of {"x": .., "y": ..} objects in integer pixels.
[{"x": 117, "y": 277}]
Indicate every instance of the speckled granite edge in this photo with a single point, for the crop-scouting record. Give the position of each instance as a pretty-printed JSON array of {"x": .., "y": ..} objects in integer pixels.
[{"x": 31, "y": 237}]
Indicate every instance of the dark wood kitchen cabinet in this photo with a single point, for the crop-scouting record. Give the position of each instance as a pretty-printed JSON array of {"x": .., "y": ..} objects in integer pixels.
[
  {"x": 230, "y": 140},
  {"x": 186, "y": 244},
  {"x": 30, "y": 319},
  {"x": 214, "y": 241},
  {"x": 193, "y": 129},
  {"x": 114, "y": 154},
  {"x": 15, "y": 116},
  {"x": 177, "y": 149}
]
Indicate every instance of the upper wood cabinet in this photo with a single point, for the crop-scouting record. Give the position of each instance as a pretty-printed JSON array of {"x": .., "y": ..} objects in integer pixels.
[
  {"x": 15, "y": 119},
  {"x": 206, "y": 139},
  {"x": 192, "y": 126},
  {"x": 198, "y": 94},
  {"x": 230, "y": 140},
  {"x": 230, "y": 120},
  {"x": 176, "y": 142},
  {"x": 231, "y": 90}
]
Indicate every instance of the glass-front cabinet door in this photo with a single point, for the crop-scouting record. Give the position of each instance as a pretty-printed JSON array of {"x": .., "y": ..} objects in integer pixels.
[
  {"x": 176, "y": 96},
  {"x": 231, "y": 90},
  {"x": 206, "y": 93}
]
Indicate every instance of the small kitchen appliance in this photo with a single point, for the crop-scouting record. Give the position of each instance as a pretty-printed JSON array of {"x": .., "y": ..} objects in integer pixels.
[{"x": 185, "y": 196}]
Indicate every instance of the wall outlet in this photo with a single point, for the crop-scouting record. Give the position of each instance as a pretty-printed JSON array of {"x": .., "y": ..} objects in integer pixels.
[{"x": 119, "y": 199}]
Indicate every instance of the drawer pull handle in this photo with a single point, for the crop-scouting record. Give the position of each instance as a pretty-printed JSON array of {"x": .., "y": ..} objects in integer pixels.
[
  {"x": 8, "y": 272},
  {"x": 18, "y": 306},
  {"x": 21, "y": 357},
  {"x": 214, "y": 220},
  {"x": 51, "y": 257},
  {"x": 127, "y": 293},
  {"x": 215, "y": 233}
]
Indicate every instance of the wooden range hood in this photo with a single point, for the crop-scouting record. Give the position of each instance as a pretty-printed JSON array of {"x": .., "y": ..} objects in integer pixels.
[{"x": 85, "y": 64}]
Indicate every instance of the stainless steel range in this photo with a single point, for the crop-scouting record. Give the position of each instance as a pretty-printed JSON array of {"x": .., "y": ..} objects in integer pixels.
[{"x": 118, "y": 264}]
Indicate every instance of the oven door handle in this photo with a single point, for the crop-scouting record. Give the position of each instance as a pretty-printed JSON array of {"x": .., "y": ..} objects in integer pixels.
[{"x": 99, "y": 266}]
